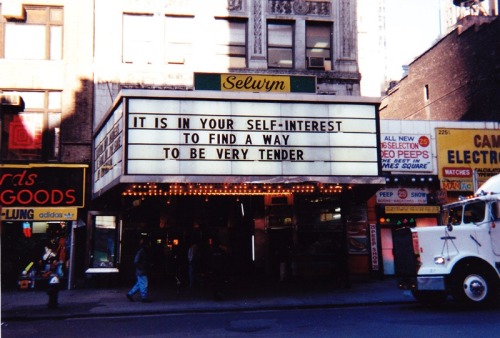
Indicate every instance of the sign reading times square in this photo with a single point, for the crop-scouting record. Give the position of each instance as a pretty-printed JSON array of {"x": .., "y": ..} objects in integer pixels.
[{"x": 241, "y": 135}]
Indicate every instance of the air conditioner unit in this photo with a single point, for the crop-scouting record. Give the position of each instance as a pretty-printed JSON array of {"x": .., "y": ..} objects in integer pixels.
[{"x": 316, "y": 62}]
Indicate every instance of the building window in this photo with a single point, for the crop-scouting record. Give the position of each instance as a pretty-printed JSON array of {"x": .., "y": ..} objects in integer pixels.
[
  {"x": 318, "y": 45},
  {"x": 426, "y": 92},
  {"x": 38, "y": 37},
  {"x": 34, "y": 134},
  {"x": 280, "y": 45},
  {"x": 231, "y": 47},
  {"x": 178, "y": 39},
  {"x": 137, "y": 38}
]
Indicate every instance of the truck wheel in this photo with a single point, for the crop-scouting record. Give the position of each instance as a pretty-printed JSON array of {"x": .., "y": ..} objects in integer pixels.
[
  {"x": 473, "y": 287},
  {"x": 431, "y": 298}
]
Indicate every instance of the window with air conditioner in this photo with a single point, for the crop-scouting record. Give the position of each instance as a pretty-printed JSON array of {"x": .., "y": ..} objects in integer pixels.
[{"x": 318, "y": 45}]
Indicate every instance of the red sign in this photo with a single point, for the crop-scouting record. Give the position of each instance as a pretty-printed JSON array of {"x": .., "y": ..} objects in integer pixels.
[
  {"x": 25, "y": 132},
  {"x": 457, "y": 172},
  {"x": 42, "y": 186}
]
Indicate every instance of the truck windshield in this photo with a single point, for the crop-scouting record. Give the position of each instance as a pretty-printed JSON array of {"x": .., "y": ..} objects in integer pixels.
[
  {"x": 474, "y": 212},
  {"x": 465, "y": 214},
  {"x": 453, "y": 215}
]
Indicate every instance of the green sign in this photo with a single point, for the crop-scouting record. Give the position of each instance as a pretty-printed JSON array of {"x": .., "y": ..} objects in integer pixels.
[{"x": 255, "y": 83}]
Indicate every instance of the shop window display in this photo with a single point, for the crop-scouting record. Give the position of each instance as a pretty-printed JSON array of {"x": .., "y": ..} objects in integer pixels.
[
  {"x": 104, "y": 240},
  {"x": 32, "y": 251}
]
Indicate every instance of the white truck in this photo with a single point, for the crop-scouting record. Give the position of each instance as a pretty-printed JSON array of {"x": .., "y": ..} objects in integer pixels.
[{"x": 460, "y": 258}]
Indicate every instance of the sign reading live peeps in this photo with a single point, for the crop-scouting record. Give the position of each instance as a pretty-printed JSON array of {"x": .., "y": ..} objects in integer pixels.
[
  {"x": 461, "y": 151},
  {"x": 406, "y": 152}
]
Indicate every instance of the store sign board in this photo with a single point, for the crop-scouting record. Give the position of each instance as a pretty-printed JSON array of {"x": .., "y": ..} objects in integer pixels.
[
  {"x": 461, "y": 151},
  {"x": 402, "y": 196},
  {"x": 255, "y": 83},
  {"x": 39, "y": 185},
  {"x": 406, "y": 152},
  {"x": 250, "y": 138},
  {"x": 39, "y": 214},
  {"x": 411, "y": 209},
  {"x": 374, "y": 247}
]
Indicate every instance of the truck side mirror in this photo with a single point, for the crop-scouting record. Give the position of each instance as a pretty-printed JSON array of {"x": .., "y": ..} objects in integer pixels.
[{"x": 449, "y": 227}]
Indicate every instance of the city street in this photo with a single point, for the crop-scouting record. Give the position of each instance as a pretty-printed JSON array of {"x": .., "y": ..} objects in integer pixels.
[{"x": 402, "y": 320}]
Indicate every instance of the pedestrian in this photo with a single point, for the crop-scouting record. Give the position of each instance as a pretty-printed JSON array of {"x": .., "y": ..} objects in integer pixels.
[
  {"x": 217, "y": 268},
  {"x": 141, "y": 263},
  {"x": 53, "y": 289},
  {"x": 194, "y": 257},
  {"x": 61, "y": 256}
]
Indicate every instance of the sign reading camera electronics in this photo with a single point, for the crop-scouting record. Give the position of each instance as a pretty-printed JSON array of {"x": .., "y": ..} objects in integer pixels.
[{"x": 245, "y": 135}]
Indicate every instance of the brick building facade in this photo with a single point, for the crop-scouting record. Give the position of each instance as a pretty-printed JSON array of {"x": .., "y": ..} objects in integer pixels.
[{"x": 458, "y": 79}]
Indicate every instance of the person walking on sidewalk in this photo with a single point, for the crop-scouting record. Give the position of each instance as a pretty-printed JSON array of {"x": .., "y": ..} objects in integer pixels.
[{"x": 141, "y": 262}]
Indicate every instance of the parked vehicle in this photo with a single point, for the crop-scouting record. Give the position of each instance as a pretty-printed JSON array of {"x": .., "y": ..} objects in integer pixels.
[{"x": 460, "y": 258}]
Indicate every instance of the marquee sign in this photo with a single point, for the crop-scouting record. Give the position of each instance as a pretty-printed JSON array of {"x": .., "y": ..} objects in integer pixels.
[
  {"x": 237, "y": 138},
  {"x": 180, "y": 137}
]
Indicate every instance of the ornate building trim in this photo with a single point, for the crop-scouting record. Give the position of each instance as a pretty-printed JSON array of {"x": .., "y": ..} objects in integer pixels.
[
  {"x": 257, "y": 27},
  {"x": 235, "y": 5},
  {"x": 347, "y": 27},
  {"x": 299, "y": 7}
]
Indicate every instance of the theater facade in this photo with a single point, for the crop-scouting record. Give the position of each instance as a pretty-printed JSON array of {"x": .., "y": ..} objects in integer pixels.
[{"x": 281, "y": 183}]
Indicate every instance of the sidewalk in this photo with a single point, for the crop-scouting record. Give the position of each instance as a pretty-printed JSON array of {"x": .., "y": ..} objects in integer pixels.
[{"x": 32, "y": 305}]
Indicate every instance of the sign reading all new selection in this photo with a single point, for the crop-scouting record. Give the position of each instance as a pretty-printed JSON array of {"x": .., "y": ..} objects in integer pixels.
[
  {"x": 406, "y": 152},
  {"x": 252, "y": 137},
  {"x": 461, "y": 151}
]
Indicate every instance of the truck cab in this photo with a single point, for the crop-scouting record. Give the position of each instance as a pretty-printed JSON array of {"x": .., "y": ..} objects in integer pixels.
[{"x": 460, "y": 257}]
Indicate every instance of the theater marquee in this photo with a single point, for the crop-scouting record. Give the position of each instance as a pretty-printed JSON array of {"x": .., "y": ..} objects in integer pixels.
[{"x": 236, "y": 139}]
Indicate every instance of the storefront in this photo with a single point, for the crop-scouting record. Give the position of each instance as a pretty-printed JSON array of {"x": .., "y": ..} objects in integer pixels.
[
  {"x": 274, "y": 180},
  {"x": 445, "y": 162},
  {"x": 39, "y": 205}
]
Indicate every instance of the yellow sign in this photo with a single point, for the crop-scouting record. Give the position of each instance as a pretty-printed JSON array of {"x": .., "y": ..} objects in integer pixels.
[
  {"x": 255, "y": 83},
  {"x": 411, "y": 209},
  {"x": 39, "y": 214},
  {"x": 461, "y": 151}
]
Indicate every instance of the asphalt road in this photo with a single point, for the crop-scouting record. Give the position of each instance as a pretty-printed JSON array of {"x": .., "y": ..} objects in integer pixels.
[{"x": 405, "y": 320}]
